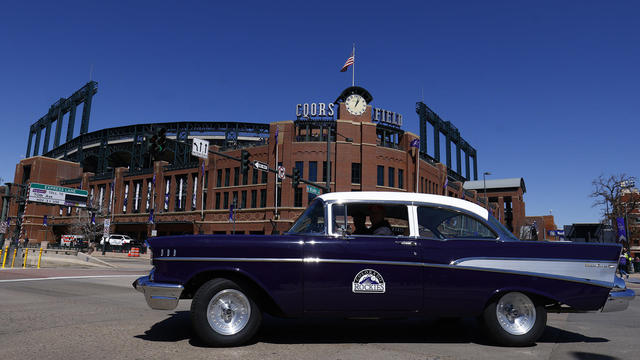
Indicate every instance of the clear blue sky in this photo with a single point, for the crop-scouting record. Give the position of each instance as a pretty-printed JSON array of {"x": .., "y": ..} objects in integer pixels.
[{"x": 547, "y": 91}]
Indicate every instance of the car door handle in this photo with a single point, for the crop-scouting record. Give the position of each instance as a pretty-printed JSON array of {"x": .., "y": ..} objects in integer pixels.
[{"x": 407, "y": 243}]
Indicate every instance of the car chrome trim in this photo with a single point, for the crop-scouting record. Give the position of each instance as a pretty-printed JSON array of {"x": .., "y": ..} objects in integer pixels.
[
  {"x": 619, "y": 297},
  {"x": 159, "y": 296},
  {"x": 457, "y": 266},
  {"x": 590, "y": 271}
]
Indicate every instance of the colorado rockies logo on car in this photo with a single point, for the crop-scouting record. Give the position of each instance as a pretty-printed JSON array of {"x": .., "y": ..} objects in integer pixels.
[{"x": 368, "y": 281}]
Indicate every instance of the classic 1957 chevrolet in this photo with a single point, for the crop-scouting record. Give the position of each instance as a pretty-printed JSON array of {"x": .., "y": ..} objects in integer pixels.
[{"x": 416, "y": 255}]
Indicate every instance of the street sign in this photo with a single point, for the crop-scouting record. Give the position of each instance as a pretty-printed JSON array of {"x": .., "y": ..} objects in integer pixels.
[
  {"x": 281, "y": 171},
  {"x": 260, "y": 166},
  {"x": 107, "y": 224},
  {"x": 313, "y": 190},
  {"x": 57, "y": 195},
  {"x": 200, "y": 148},
  {"x": 154, "y": 232}
]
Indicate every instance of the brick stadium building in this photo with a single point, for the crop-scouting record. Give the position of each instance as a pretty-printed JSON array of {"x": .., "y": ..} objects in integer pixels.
[{"x": 366, "y": 148}]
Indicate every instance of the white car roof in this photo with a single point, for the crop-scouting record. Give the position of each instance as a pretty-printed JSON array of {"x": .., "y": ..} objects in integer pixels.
[{"x": 409, "y": 197}]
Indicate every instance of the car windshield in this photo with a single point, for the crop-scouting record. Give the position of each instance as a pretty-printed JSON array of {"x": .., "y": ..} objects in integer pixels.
[
  {"x": 505, "y": 234},
  {"x": 311, "y": 221}
]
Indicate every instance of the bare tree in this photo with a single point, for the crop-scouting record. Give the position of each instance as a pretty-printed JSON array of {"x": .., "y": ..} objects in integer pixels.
[{"x": 616, "y": 197}]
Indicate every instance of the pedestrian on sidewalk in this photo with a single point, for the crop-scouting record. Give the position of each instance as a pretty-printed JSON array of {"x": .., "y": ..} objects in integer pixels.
[{"x": 622, "y": 265}]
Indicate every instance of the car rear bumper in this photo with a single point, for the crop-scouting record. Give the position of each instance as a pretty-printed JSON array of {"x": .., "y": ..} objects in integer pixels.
[
  {"x": 619, "y": 297},
  {"x": 159, "y": 296}
]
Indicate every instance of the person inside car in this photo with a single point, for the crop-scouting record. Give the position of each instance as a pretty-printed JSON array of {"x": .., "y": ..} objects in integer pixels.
[
  {"x": 360, "y": 226},
  {"x": 379, "y": 225}
]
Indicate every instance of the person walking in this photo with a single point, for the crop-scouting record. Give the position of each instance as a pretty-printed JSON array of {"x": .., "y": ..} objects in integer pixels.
[{"x": 622, "y": 265}]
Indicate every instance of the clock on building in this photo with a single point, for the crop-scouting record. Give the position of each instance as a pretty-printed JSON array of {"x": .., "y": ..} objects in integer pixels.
[{"x": 356, "y": 104}]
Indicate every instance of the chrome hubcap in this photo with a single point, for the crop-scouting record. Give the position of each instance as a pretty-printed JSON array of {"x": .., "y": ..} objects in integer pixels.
[
  {"x": 228, "y": 312},
  {"x": 516, "y": 313}
]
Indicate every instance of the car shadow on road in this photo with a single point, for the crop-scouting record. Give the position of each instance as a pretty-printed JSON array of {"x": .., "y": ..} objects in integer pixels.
[{"x": 177, "y": 327}]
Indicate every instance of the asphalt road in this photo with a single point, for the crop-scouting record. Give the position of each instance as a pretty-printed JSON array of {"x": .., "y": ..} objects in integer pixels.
[{"x": 88, "y": 313}]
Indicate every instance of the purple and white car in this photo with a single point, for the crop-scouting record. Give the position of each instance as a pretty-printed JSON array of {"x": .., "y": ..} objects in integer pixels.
[{"x": 436, "y": 256}]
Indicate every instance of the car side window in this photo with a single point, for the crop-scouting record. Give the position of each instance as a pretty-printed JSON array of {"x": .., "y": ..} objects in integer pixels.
[
  {"x": 311, "y": 221},
  {"x": 447, "y": 224},
  {"x": 373, "y": 219}
]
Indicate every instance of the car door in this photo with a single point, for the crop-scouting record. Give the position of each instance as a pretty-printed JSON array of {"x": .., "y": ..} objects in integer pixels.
[
  {"x": 447, "y": 236},
  {"x": 362, "y": 274}
]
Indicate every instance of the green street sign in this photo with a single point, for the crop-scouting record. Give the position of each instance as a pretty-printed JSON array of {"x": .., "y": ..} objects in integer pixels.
[{"x": 313, "y": 190}]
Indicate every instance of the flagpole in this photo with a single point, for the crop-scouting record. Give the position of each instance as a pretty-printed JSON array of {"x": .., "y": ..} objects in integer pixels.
[{"x": 353, "y": 70}]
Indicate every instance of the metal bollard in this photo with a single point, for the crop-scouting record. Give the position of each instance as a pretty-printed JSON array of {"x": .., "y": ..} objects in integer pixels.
[
  {"x": 24, "y": 263},
  {"x": 39, "y": 257},
  {"x": 4, "y": 256},
  {"x": 13, "y": 260}
]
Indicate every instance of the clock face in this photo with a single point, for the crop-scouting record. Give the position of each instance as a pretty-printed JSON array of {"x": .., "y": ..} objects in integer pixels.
[{"x": 356, "y": 105}]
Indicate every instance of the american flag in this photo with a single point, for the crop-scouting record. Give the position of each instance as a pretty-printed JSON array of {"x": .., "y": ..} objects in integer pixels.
[{"x": 349, "y": 62}]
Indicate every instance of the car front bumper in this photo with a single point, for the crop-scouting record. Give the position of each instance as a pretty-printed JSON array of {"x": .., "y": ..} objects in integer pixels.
[
  {"x": 619, "y": 297},
  {"x": 159, "y": 296}
]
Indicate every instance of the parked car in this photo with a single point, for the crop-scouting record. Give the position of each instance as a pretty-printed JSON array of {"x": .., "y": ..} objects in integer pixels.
[
  {"x": 118, "y": 240},
  {"x": 382, "y": 254}
]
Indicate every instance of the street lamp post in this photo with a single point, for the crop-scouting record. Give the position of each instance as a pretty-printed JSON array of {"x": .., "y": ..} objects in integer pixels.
[{"x": 484, "y": 180}]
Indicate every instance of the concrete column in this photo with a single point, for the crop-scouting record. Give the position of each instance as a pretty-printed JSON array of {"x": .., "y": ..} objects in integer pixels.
[
  {"x": 448, "y": 151},
  {"x": 475, "y": 168},
  {"x": 47, "y": 136},
  {"x": 59, "y": 118},
  {"x": 29, "y": 144},
  {"x": 436, "y": 141},
  {"x": 458, "y": 160},
  {"x": 72, "y": 121},
  {"x": 466, "y": 164},
  {"x": 86, "y": 111}
]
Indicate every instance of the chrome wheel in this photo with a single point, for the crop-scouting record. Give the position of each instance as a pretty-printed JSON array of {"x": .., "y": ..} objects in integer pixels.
[
  {"x": 228, "y": 312},
  {"x": 516, "y": 313}
]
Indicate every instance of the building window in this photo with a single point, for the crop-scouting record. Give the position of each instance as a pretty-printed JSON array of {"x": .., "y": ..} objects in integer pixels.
[
  {"x": 300, "y": 166},
  {"x": 181, "y": 193},
  {"x": 243, "y": 200},
  {"x": 245, "y": 178},
  {"x": 225, "y": 200},
  {"x": 126, "y": 198},
  {"x": 380, "y": 175},
  {"x": 297, "y": 197},
  {"x": 254, "y": 176},
  {"x": 313, "y": 171},
  {"x": 227, "y": 175},
  {"x": 137, "y": 196},
  {"x": 194, "y": 193},
  {"x": 236, "y": 176},
  {"x": 356, "y": 170},
  {"x": 263, "y": 197},
  {"x": 217, "y": 200},
  {"x": 235, "y": 199},
  {"x": 167, "y": 188},
  {"x": 392, "y": 177},
  {"x": 254, "y": 198},
  {"x": 219, "y": 178},
  {"x": 401, "y": 178},
  {"x": 264, "y": 177},
  {"x": 149, "y": 195}
]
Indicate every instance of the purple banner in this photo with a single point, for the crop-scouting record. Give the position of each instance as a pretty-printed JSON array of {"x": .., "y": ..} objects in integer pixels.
[{"x": 622, "y": 232}]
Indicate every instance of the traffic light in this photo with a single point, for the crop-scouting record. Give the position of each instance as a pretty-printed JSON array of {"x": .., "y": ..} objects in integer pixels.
[
  {"x": 244, "y": 161},
  {"x": 296, "y": 177}
]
